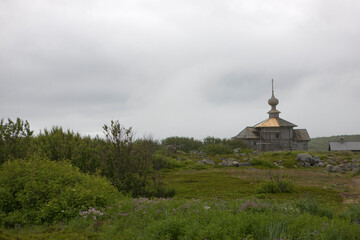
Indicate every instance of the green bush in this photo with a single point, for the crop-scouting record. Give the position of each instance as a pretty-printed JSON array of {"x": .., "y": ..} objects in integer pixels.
[
  {"x": 161, "y": 161},
  {"x": 275, "y": 185},
  {"x": 214, "y": 149},
  {"x": 15, "y": 139},
  {"x": 183, "y": 143},
  {"x": 38, "y": 191}
]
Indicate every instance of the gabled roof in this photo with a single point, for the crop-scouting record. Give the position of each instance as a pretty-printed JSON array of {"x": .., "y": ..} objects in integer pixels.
[
  {"x": 275, "y": 122},
  {"x": 301, "y": 135},
  {"x": 343, "y": 146},
  {"x": 248, "y": 133}
]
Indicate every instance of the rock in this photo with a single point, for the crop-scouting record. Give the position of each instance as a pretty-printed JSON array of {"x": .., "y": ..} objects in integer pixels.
[
  {"x": 221, "y": 158},
  {"x": 301, "y": 164},
  {"x": 355, "y": 160},
  {"x": 329, "y": 168},
  {"x": 236, "y": 150},
  {"x": 305, "y": 158},
  {"x": 321, "y": 164},
  {"x": 209, "y": 161},
  {"x": 194, "y": 152},
  {"x": 229, "y": 163},
  {"x": 247, "y": 159},
  {"x": 244, "y": 164},
  {"x": 317, "y": 159},
  {"x": 307, "y": 164},
  {"x": 338, "y": 169}
]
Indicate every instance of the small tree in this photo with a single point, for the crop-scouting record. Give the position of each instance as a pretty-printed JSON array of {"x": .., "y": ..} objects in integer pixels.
[
  {"x": 129, "y": 165},
  {"x": 15, "y": 139}
]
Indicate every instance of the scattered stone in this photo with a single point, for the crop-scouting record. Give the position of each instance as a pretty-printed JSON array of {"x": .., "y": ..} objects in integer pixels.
[
  {"x": 236, "y": 150},
  {"x": 179, "y": 158},
  {"x": 247, "y": 159}
]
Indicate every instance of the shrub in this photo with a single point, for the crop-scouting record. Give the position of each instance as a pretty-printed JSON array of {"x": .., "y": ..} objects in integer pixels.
[
  {"x": 214, "y": 149},
  {"x": 183, "y": 143},
  {"x": 275, "y": 185},
  {"x": 38, "y": 191},
  {"x": 15, "y": 139}
]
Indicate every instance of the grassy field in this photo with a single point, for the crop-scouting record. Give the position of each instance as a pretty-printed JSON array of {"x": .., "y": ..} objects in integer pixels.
[{"x": 215, "y": 202}]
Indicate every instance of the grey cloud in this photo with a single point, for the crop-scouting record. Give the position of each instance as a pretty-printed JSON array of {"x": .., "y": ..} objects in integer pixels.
[{"x": 173, "y": 67}]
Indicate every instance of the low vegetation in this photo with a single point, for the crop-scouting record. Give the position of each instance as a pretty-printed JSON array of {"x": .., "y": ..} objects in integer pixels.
[{"x": 61, "y": 185}]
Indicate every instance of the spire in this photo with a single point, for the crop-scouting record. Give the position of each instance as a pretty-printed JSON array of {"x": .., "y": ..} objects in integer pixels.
[{"x": 273, "y": 101}]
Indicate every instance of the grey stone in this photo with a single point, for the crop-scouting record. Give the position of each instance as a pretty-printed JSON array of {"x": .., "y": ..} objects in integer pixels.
[
  {"x": 306, "y": 158},
  {"x": 317, "y": 159},
  {"x": 301, "y": 164},
  {"x": 247, "y": 159},
  {"x": 321, "y": 164},
  {"x": 307, "y": 164},
  {"x": 229, "y": 163},
  {"x": 209, "y": 161},
  {"x": 337, "y": 169},
  {"x": 236, "y": 150},
  {"x": 329, "y": 168}
]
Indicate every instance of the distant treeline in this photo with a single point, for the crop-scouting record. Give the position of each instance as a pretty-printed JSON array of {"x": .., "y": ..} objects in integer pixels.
[
  {"x": 321, "y": 144},
  {"x": 130, "y": 164}
]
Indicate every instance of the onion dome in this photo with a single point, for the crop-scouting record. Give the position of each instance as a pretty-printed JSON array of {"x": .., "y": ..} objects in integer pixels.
[{"x": 273, "y": 101}]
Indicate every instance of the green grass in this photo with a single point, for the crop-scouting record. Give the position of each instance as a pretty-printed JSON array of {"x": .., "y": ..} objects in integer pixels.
[
  {"x": 201, "y": 219},
  {"x": 215, "y": 202}
]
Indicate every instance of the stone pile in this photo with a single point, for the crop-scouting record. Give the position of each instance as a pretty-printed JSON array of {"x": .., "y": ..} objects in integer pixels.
[{"x": 306, "y": 160}]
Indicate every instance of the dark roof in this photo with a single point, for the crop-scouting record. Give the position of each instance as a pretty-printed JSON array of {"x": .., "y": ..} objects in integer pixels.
[
  {"x": 344, "y": 146},
  {"x": 301, "y": 135},
  {"x": 248, "y": 133}
]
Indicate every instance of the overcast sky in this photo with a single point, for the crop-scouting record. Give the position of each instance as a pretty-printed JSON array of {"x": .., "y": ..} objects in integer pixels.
[{"x": 191, "y": 68}]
